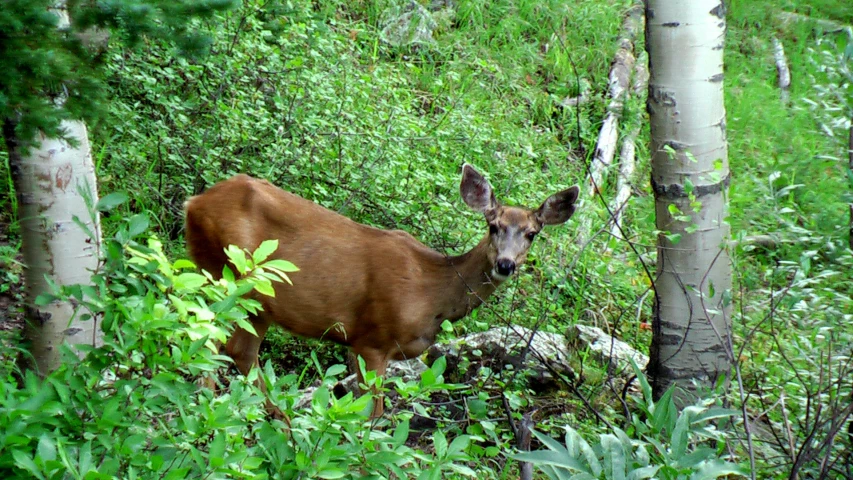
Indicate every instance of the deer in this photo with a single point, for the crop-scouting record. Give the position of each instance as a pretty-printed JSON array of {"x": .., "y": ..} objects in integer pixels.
[{"x": 382, "y": 293}]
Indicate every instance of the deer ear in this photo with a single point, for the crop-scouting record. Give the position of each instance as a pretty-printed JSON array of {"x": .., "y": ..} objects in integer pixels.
[
  {"x": 476, "y": 190},
  {"x": 558, "y": 207}
]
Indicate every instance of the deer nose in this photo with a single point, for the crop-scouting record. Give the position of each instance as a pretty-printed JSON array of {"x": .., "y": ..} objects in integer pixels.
[{"x": 505, "y": 266}]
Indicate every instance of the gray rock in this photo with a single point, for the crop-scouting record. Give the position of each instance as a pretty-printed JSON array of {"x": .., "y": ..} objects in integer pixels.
[
  {"x": 544, "y": 356},
  {"x": 605, "y": 348}
]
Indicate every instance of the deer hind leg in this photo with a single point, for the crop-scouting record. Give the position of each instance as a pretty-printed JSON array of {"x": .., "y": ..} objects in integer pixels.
[
  {"x": 376, "y": 360},
  {"x": 243, "y": 347}
]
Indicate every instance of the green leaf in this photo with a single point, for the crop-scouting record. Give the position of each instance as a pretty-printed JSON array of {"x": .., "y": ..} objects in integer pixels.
[
  {"x": 679, "y": 439},
  {"x": 266, "y": 249},
  {"x": 643, "y": 472},
  {"x": 137, "y": 225},
  {"x": 439, "y": 441},
  {"x": 190, "y": 281},
  {"x": 401, "y": 433},
  {"x": 265, "y": 288},
  {"x": 320, "y": 399},
  {"x": 237, "y": 257},
  {"x": 282, "y": 265},
  {"x": 331, "y": 473},
  {"x": 717, "y": 468},
  {"x": 427, "y": 378},
  {"x": 24, "y": 462},
  {"x": 111, "y": 201},
  {"x": 335, "y": 370},
  {"x": 614, "y": 455},
  {"x": 216, "y": 450},
  {"x": 547, "y": 457},
  {"x": 46, "y": 449}
]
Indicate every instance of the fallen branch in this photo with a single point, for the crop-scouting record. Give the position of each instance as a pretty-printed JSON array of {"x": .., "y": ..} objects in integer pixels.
[
  {"x": 828, "y": 26},
  {"x": 620, "y": 74},
  {"x": 627, "y": 157},
  {"x": 782, "y": 70}
]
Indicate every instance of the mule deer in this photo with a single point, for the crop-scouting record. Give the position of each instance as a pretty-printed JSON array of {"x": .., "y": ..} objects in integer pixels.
[{"x": 381, "y": 292}]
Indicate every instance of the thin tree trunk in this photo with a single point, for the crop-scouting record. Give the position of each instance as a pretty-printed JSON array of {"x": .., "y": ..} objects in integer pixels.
[
  {"x": 690, "y": 176},
  {"x": 61, "y": 239}
]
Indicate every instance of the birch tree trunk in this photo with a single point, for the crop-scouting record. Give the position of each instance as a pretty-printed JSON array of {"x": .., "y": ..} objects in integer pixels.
[
  {"x": 54, "y": 182},
  {"x": 690, "y": 176}
]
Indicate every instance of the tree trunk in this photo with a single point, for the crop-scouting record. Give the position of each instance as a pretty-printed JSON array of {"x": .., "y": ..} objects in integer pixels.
[
  {"x": 690, "y": 176},
  {"x": 56, "y": 187}
]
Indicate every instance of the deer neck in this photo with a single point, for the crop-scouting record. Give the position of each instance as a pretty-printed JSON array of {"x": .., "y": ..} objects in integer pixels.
[{"x": 467, "y": 282}]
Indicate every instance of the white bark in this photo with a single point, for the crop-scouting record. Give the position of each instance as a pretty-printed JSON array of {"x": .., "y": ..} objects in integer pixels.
[
  {"x": 620, "y": 73},
  {"x": 782, "y": 70},
  {"x": 627, "y": 158},
  {"x": 691, "y": 329},
  {"x": 53, "y": 182}
]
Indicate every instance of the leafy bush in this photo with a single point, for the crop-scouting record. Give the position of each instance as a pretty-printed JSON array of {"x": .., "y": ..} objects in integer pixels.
[
  {"x": 132, "y": 408},
  {"x": 666, "y": 444}
]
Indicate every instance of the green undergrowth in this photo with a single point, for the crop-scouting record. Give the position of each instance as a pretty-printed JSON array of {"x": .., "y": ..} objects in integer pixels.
[{"x": 312, "y": 98}]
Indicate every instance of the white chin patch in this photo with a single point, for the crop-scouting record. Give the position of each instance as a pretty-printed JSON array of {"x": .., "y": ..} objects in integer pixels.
[{"x": 497, "y": 276}]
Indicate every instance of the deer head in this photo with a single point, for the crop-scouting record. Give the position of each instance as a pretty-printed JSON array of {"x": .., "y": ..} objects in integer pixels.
[{"x": 512, "y": 229}]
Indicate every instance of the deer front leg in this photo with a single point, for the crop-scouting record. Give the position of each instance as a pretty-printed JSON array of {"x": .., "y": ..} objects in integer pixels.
[
  {"x": 243, "y": 347},
  {"x": 377, "y": 361}
]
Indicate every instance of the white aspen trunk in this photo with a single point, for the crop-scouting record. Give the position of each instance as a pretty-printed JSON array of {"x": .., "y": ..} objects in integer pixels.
[
  {"x": 692, "y": 322},
  {"x": 52, "y": 182}
]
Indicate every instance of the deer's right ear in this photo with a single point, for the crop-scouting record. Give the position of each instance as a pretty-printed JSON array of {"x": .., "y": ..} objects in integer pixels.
[{"x": 476, "y": 190}]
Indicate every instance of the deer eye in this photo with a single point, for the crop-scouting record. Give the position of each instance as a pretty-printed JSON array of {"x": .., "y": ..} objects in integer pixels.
[
  {"x": 530, "y": 235},
  {"x": 493, "y": 229}
]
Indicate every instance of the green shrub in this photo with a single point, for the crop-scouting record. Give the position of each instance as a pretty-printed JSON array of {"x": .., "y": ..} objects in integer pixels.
[
  {"x": 665, "y": 444},
  {"x": 133, "y": 408}
]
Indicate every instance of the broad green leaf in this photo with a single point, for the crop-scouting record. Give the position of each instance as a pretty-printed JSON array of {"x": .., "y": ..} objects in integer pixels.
[
  {"x": 265, "y": 288},
  {"x": 614, "y": 457},
  {"x": 263, "y": 252},
  {"x": 46, "y": 449},
  {"x": 283, "y": 265},
  {"x": 111, "y": 201},
  {"x": 439, "y": 441},
  {"x": 643, "y": 472},
  {"x": 717, "y": 468},
  {"x": 137, "y": 225}
]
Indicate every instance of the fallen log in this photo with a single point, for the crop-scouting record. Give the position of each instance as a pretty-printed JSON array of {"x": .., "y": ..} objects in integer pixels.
[
  {"x": 620, "y": 75},
  {"x": 627, "y": 157},
  {"x": 782, "y": 70}
]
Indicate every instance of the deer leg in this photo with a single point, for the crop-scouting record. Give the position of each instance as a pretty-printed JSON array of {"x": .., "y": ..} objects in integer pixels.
[
  {"x": 243, "y": 348},
  {"x": 377, "y": 361}
]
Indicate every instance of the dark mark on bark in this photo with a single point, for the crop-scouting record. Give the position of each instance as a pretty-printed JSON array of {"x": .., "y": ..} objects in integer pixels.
[
  {"x": 677, "y": 146},
  {"x": 716, "y": 78},
  {"x": 719, "y": 11},
  {"x": 670, "y": 24},
  {"x": 70, "y": 332},
  {"x": 676, "y": 190}
]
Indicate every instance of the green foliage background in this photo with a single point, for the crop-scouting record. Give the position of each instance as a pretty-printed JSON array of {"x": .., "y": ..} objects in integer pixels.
[{"x": 309, "y": 96}]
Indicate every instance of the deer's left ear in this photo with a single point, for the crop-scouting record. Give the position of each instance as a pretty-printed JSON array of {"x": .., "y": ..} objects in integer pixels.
[{"x": 559, "y": 207}]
